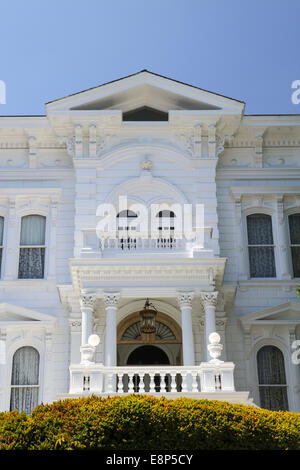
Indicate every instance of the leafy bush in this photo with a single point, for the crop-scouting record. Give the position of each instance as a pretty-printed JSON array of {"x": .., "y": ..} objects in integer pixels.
[{"x": 139, "y": 422}]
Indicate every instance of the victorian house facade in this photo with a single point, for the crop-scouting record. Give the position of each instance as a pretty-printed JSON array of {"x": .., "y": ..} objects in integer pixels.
[{"x": 74, "y": 315}]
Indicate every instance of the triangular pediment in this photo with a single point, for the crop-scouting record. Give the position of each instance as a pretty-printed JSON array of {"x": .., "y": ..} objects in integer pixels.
[
  {"x": 145, "y": 90},
  {"x": 14, "y": 313},
  {"x": 283, "y": 314}
]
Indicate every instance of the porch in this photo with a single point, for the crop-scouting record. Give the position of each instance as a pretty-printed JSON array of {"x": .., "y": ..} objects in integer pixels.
[{"x": 207, "y": 381}]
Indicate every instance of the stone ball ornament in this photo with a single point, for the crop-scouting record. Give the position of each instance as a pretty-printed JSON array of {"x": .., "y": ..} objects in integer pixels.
[
  {"x": 93, "y": 340},
  {"x": 215, "y": 348}
]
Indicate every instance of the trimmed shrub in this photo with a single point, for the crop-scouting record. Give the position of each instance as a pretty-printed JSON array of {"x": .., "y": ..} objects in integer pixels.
[{"x": 141, "y": 422}]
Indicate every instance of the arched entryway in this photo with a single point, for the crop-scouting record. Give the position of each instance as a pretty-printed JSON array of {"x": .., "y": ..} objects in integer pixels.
[
  {"x": 148, "y": 355},
  {"x": 160, "y": 348}
]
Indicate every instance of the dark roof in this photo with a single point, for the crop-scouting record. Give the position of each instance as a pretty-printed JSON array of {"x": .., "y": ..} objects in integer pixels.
[{"x": 153, "y": 73}]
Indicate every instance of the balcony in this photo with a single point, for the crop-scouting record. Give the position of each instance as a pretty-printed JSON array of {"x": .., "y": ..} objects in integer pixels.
[
  {"x": 92, "y": 247},
  {"x": 98, "y": 379}
]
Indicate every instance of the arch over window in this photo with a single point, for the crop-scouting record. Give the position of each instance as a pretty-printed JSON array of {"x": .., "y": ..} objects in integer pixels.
[
  {"x": 25, "y": 379},
  {"x": 272, "y": 379},
  {"x": 261, "y": 245},
  {"x": 294, "y": 225},
  {"x": 1, "y": 240},
  {"x": 32, "y": 247},
  {"x": 163, "y": 332}
]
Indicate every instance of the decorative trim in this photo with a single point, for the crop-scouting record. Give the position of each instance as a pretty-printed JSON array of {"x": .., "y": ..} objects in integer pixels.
[
  {"x": 87, "y": 300},
  {"x": 209, "y": 299}
]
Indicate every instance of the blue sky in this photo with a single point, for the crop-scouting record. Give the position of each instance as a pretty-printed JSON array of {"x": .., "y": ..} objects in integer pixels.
[{"x": 244, "y": 49}]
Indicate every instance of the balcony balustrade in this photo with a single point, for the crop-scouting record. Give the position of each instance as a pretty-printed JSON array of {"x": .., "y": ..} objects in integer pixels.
[{"x": 97, "y": 379}]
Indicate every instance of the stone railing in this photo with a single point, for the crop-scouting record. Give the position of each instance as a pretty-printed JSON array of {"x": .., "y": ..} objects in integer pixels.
[
  {"x": 92, "y": 246},
  {"x": 96, "y": 378}
]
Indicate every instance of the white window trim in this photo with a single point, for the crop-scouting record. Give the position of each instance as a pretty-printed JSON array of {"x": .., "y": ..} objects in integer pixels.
[
  {"x": 46, "y": 245},
  {"x": 265, "y": 211}
]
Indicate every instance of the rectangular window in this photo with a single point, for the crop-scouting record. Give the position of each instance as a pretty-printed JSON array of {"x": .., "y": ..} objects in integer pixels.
[
  {"x": 261, "y": 246},
  {"x": 294, "y": 225},
  {"x": 32, "y": 247}
]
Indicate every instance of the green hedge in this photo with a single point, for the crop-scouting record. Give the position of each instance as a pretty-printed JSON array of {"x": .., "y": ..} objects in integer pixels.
[{"x": 139, "y": 422}]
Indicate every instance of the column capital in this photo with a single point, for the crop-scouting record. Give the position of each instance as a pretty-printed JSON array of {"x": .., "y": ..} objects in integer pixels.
[
  {"x": 209, "y": 299},
  {"x": 87, "y": 300},
  {"x": 111, "y": 299},
  {"x": 185, "y": 299}
]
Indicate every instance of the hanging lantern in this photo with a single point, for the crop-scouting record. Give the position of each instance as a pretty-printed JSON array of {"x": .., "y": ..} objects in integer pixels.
[{"x": 148, "y": 315}]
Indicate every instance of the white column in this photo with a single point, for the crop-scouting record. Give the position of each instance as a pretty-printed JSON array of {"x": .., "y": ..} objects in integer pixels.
[
  {"x": 242, "y": 246},
  {"x": 209, "y": 302},
  {"x": 283, "y": 243},
  {"x": 111, "y": 300},
  {"x": 51, "y": 273},
  {"x": 87, "y": 318},
  {"x": 185, "y": 302},
  {"x": 11, "y": 253}
]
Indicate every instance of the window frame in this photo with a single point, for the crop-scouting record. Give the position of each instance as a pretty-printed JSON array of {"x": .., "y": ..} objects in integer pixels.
[
  {"x": 17, "y": 344},
  {"x": 261, "y": 211},
  {"x": 271, "y": 343},
  {"x": 21, "y": 216},
  {"x": 295, "y": 211}
]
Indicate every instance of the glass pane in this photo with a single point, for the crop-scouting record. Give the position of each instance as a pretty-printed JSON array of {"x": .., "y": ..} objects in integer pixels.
[
  {"x": 294, "y": 223},
  {"x": 25, "y": 369},
  {"x": 296, "y": 260},
  {"x": 274, "y": 398},
  {"x": 24, "y": 399},
  {"x": 259, "y": 227},
  {"x": 33, "y": 230},
  {"x": 1, "y": 230},
  {"x": 31, "y": 263},
  {"x": 270, "y": 363},
  {"x": 262, "y": 261}
]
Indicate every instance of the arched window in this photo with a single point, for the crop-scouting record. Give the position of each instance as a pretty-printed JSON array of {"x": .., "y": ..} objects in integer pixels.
[
  {"x": 25, "y": 379},
  {"x": 272, "y": 379},
  {"x": 294, "y": 225},
  {"x": 32, "y": 247},
  {"x": 1, "y": 240},
  {"x": 166, "y": 226},
  {"x": 125, "y": 222},
  {"x": 261, "y": 246}
]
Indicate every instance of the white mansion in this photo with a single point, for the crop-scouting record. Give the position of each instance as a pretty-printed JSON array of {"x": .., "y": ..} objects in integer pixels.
[{"x": 74, "y": 315}]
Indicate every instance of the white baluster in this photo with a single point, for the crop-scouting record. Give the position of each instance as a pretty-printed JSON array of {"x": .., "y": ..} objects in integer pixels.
[
  {"x": 141, "y": 384},
  {"x": 184, "y": 375},
  {"x": 152, "y": 383},
  {"x": 120, "y": 383},
  {"x": 130, "y": 382},
  {"x": 194, "y": 381},
  {"x": 173, "y": 382}
]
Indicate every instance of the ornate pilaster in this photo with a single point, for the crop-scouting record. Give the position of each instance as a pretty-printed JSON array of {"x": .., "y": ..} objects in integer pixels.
[
  {"x": 78, "y": 144},
  {"x": 197, "y": 140},
  {"x": 282, "y": 240},
  {"x": 212, "y": 140},
  {"x": 12, "y": 246},
  {"x": 52, "y": 241},
  {"x": 87, "y": 302},
  {"x": 209, "y": 302},
  {"x": 185, "y": 302},
  {"x": 92, "y": 140},
  {"x": 111, "y": 300}
]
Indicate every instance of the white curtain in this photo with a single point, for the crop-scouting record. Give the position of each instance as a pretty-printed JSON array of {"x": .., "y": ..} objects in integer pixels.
[
  {"x": 1, "y": 239},
  {"x": 261, "y": 258},
  {"x": 32, "y": 260},
  {"x": 272, "y": 379},
  {"x": 25, "y": 379},
  {"x": 294, "y": 223}
]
